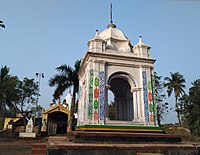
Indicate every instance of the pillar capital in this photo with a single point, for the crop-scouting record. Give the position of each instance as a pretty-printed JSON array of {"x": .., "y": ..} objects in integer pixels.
[{"x": 136, "y": 89}]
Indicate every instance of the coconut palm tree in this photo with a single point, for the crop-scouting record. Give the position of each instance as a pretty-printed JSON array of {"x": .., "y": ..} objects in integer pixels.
[
  {"x": 7, "y": 90},
  {"x": 175, "y": 83},
  {"x": 66, "y": 78},
  {"x": 4, "y": 75},
  {"x": 1, "y": 24}
]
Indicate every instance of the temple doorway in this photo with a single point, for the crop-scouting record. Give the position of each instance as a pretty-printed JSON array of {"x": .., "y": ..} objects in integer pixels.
[
  {"x": 57, "y": 123},
  {"x": 123, "y": 99}
]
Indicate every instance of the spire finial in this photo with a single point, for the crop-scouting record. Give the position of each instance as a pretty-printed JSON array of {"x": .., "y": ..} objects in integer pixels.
[
  {"x": 97, "y": 33},
  {"x": 111, "y": 21},
  {"x": 111, "y": 12}
]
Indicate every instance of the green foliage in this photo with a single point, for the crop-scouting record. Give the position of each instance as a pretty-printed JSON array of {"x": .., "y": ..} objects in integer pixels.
[
  {"x": 191, "y": 108},
  {"x": 162, "y": 107},
  {"x": 66, "y": 78},
  {"x": 15, "y": 95},
  {"x": 27, "y": 91},
  {"x": 8, "y": 86},
  {"x": 175, "y": 83},
  {"x": 1, "y": 122},
  {"x": 112, "y": 111}
]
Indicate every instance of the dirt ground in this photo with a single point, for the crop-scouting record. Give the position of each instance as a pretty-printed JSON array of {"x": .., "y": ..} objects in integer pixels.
[{"x": 10, "y": 146}]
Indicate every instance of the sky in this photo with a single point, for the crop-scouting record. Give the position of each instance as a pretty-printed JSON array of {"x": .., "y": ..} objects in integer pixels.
[{"x": 41, "y": 35}]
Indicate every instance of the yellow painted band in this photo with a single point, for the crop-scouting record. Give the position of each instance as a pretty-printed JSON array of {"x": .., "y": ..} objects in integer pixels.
[{"x": 107, "y": 129}]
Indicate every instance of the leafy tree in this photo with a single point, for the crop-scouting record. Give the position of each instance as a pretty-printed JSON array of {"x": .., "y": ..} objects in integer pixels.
[
  {"x": 175, "y": 83},
  {"x": 26, "y": 93},
  {"x": 15, "y": 95},
  {"x": 66, "y": 78},
  {"x": 191, "y": 108},
  {"x": 8, "y": 85},
  {"x": 185, "y": 106},
  {"x": 2, "y": 24},
  {"x": 162, "y": 107},
  {"x": 4, "y": 76}
]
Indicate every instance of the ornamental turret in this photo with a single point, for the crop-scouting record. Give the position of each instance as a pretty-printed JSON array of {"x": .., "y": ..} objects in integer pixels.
[
  {"x": 142, "y": 50},
  {"x": 97, "y": 44}
]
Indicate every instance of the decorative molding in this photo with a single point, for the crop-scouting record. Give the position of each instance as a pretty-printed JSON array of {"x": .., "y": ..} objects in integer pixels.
[
  {"x": 118, "y": 75},
  {"x": 122, "y": 64},
  {"x": 100, "y": 61},
  {"x": 136, "y": 89}
]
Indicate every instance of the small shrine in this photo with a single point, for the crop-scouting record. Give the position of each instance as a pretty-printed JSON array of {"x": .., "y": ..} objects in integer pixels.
[
  {"x": 113, "y": 64},
  {"x": 55, "y": 119}
]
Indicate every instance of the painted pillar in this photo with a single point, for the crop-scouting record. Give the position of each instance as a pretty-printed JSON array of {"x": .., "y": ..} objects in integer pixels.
[
  {"x": 145, "y": 97},
  {"x": 96, "y": 94},
  {"x": 102, "y": 96},
  {"x": 150, "y": 100},
  {"x": 90, "y": 95}
]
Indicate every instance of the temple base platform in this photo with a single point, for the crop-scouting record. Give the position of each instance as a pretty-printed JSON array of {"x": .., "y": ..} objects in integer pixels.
[
  {"x": 128, "y": 134},
  {"x": 117, "y": 141},
  {"x": 125, "y": 128},
  {"x": 65, "y": 145}
]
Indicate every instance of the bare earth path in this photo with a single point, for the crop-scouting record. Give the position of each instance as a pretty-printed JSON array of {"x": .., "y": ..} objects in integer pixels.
[{"x": 17, "y": 147}]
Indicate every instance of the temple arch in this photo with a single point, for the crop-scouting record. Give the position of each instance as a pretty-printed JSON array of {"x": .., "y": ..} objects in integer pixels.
[
  {"x": 124, "y": 76},
  {"x": 121, "y": 84}
]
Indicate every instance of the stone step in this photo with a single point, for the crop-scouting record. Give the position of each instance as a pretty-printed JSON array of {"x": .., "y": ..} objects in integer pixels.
[
  {"x": 39, "y": 149},
  {"x": 122, "y": 149},
  {"x": 149, "y": 154},
  {"x": 82, "y": 136},
  {"x": 40, "y": 145},
  {"x": 57, "y": 139}
]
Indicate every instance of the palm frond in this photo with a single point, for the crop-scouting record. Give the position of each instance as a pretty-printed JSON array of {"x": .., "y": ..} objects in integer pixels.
[
  {"x": 77, "y": 66},
  {"x": 66, "y": 78},
  {"x": 175, "y": 83},
  {"x": 65, "y": 69},
  {"x": 4, "y": 73}
]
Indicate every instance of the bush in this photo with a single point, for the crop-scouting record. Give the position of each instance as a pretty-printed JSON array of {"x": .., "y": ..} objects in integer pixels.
[{"x": 1, "y": 122}]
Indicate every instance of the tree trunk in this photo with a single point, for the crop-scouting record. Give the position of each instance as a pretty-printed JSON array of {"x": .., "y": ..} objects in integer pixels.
[
  {"x": 178, "y": 111},
  {"x": 158, "y": 117}
]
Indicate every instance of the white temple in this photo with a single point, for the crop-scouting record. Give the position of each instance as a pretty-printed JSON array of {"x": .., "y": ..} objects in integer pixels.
[{"x": 112, "y": 63}]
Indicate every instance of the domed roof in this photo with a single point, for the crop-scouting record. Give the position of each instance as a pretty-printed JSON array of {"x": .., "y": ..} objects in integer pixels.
[{"x": 112, "y": 32}]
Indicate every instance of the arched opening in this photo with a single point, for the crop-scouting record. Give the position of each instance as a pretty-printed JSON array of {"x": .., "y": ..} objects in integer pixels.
[
  {"x": 123, "y": 98},
  {"x": 111, "y": 106},
  {"x": 57, "y": 123}
]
